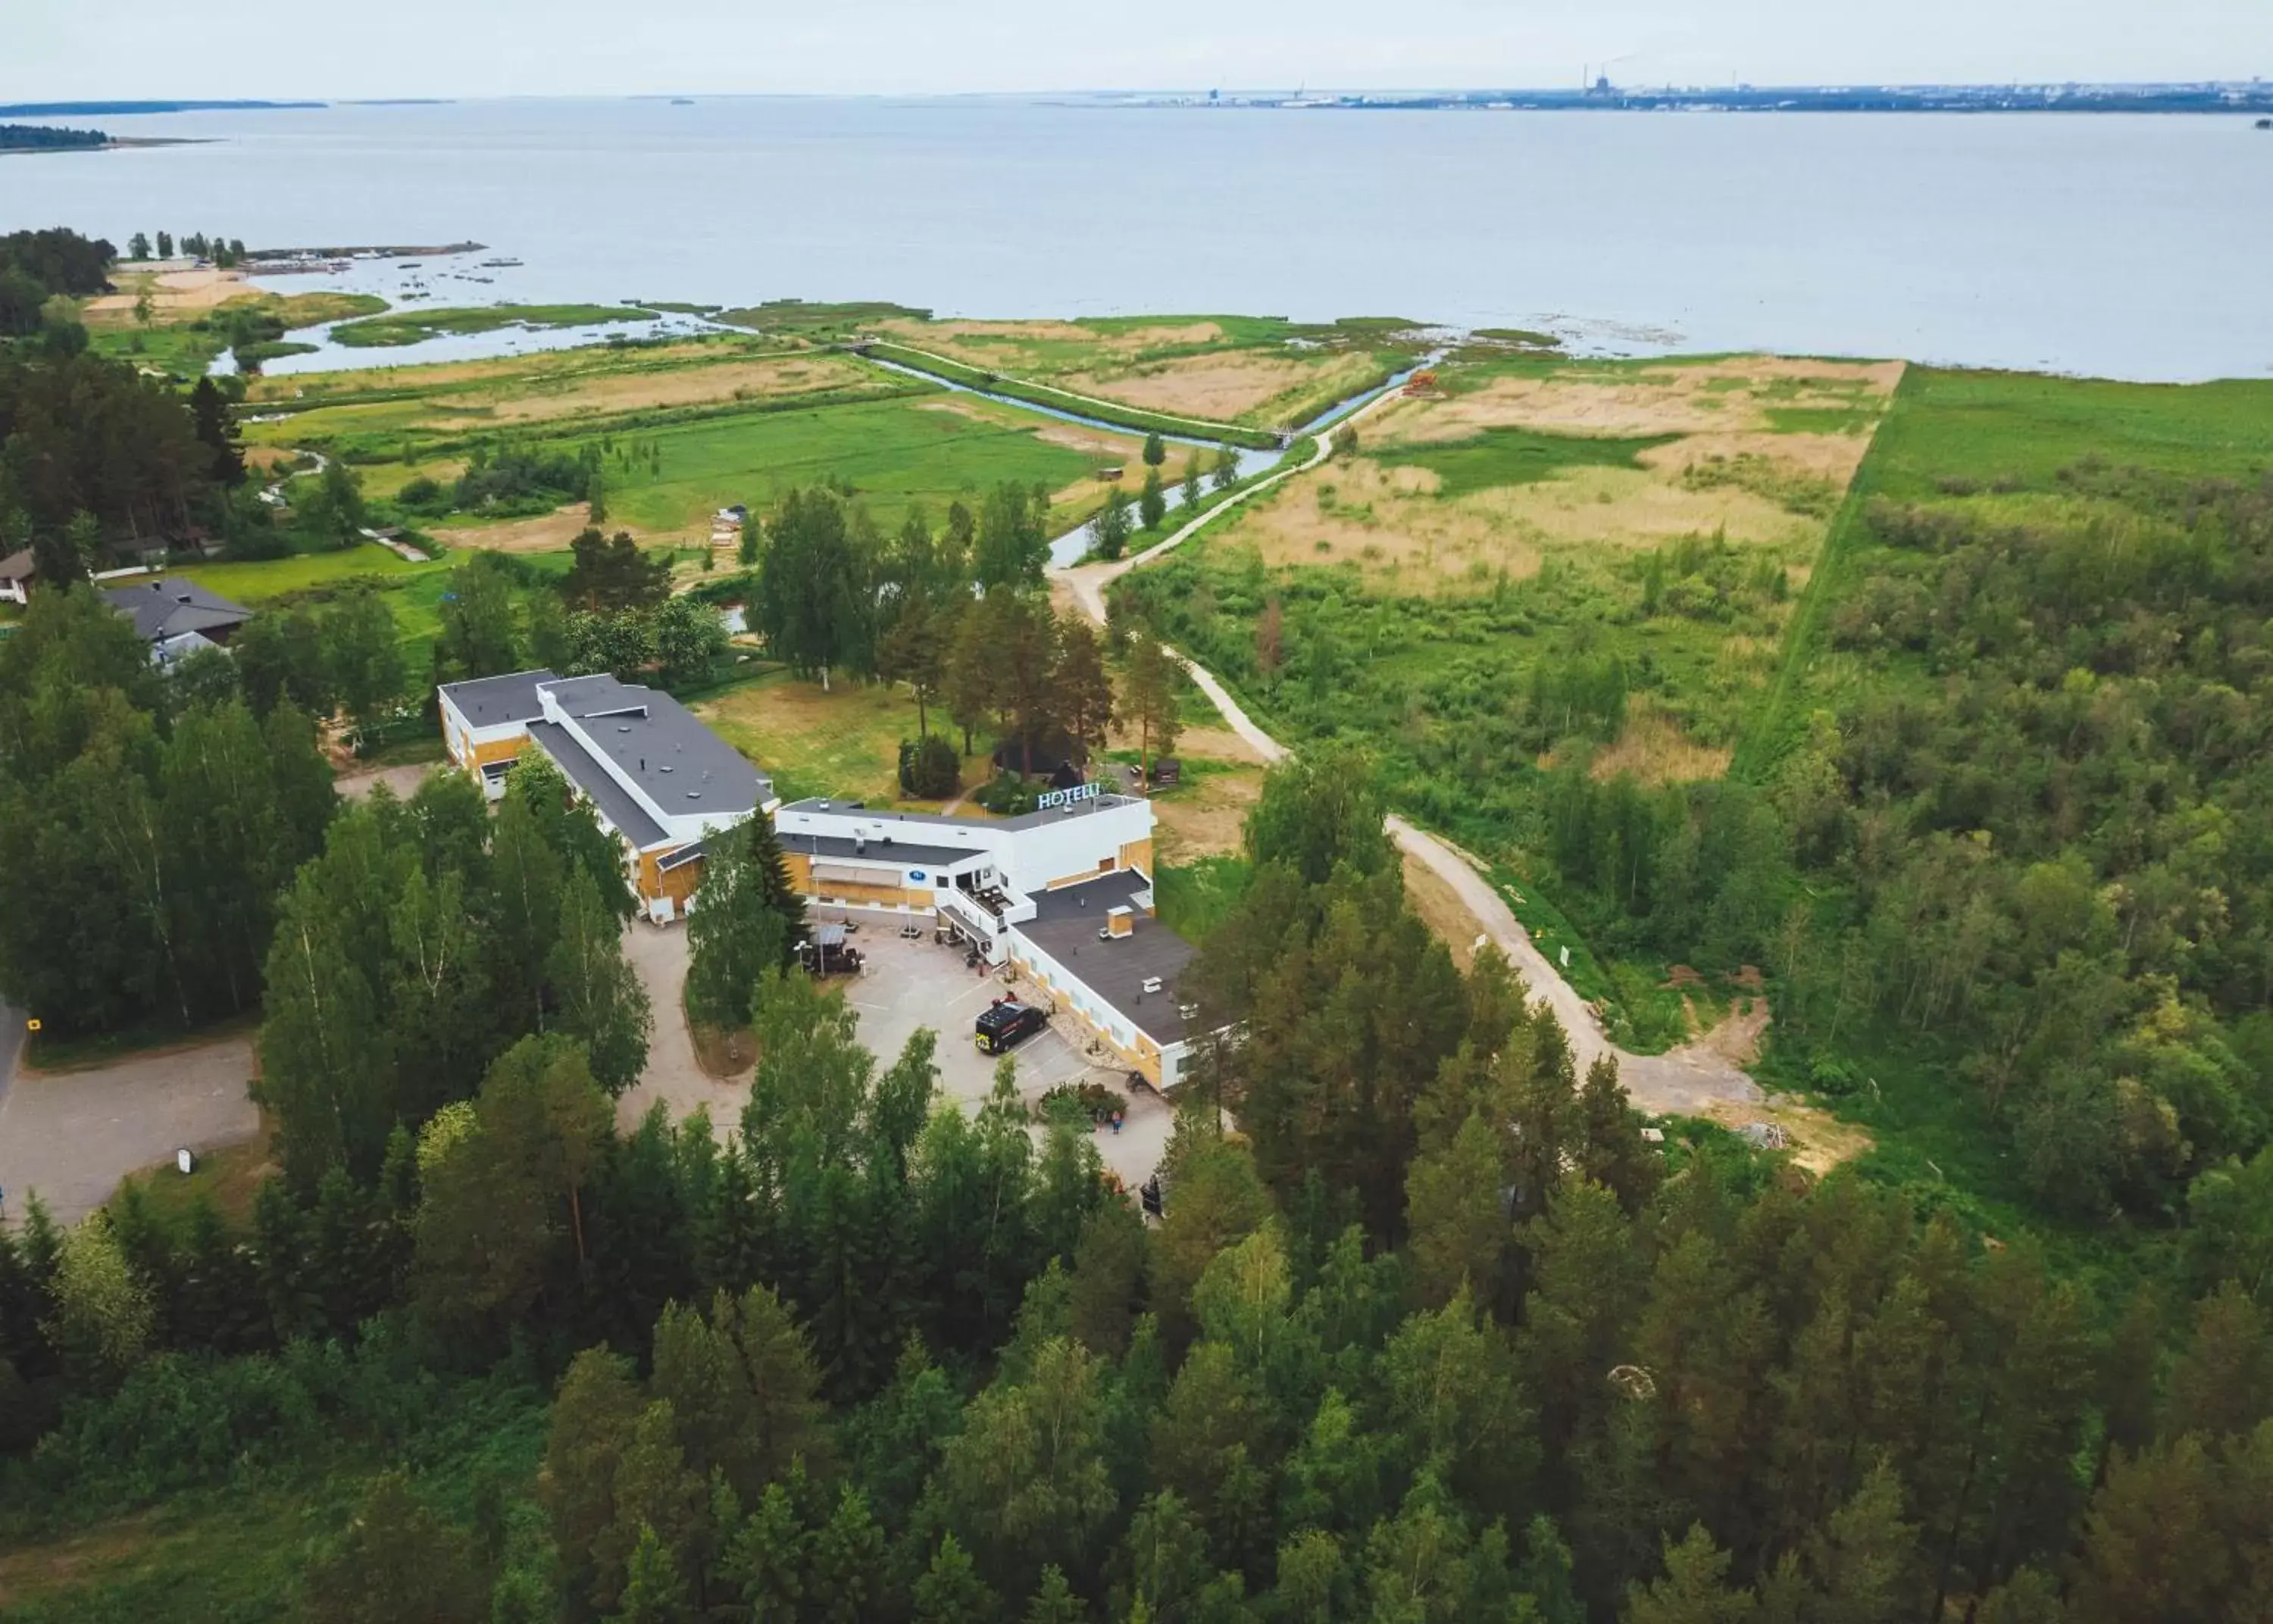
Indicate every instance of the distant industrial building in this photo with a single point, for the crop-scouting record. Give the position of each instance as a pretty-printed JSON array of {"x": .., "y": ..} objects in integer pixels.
[{"x": 656, "y": 778}]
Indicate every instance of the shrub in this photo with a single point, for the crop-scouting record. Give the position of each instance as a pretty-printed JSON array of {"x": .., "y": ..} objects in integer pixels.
[
  {"x": 423, "y": 496},
  {"x": 1081, "y": 1103},
  {"x": 1007, "y": 796},
  {"x": 929, "y": 769}
]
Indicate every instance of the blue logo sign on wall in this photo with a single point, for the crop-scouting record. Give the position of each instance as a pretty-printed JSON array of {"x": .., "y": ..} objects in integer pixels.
[{"x": 915, "y": 876}]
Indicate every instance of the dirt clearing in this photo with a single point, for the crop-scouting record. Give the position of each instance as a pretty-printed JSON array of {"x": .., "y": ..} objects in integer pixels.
[
  {"x": 1208, "y": 817},
  {"x": 172, "y": 293},
  {"x": 553, "y": 532},
  {"x": 1652, "y": 748}
]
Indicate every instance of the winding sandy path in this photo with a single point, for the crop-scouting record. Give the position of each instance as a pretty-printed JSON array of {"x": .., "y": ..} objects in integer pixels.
[{"x": 1688, "y": 1079}]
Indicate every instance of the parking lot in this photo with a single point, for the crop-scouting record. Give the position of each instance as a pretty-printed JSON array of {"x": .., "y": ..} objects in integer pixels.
[
  {"x": 70, "y": 1136},
  {"x": 906, "y": 984}
]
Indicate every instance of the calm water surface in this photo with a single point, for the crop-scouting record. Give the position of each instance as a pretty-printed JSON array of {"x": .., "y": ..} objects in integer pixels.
[{"x": 2130, "y": 246}]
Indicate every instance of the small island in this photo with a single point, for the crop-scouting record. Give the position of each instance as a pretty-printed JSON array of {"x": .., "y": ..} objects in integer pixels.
[{"x": 50, "y": 138}]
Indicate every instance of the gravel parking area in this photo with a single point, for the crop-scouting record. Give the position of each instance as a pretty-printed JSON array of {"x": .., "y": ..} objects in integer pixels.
[{"x": 70, "y": 1136}]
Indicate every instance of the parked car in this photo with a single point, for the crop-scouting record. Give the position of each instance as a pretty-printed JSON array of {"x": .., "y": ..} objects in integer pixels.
[{"x": 1005, "y": 1024}]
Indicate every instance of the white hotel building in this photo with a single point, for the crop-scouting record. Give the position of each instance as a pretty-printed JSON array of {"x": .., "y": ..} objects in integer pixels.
[{"x": 1064, "y": 893}]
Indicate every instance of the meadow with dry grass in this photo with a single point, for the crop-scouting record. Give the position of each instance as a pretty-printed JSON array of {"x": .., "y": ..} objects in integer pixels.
[{"x": 1536, "y": 564}]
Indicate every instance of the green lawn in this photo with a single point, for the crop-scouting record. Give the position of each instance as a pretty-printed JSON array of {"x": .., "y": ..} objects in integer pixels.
[
  {"x": 843, "y": 742},
  {"x": 1514, "y": 457},
  {"x": 895, "y": 453},
  {"x": 1997, "y": 441},
  {"x": 412, "y": 326},
  {"x": 257, "y": 583},
  {"x": 412, "y": 592}
]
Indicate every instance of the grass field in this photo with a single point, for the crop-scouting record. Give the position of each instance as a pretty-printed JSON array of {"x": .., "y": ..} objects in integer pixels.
[
  {"x": 894, "y": 453},
  {"x": 845, "y": 742},
  {"x": 417, "y": 414},
  {"x": 257, "y": 583},
  {"x": 730, "y": 420},
  {"x": 1508, "y": 456},
  {"x": 185, "y": 336},
  {"x": 412, "y": 592},
  {"x": 412, "y": 326},
  {"x": 1996, "y": 443}
]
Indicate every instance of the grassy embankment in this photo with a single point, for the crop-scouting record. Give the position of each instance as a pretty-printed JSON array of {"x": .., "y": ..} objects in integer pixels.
[
  {"x": 1180, "y": 374},
  {"x": 1259, "y": 372},
  {"x": 1067, "y": 400},
  {"x": 414, "y": 326}
]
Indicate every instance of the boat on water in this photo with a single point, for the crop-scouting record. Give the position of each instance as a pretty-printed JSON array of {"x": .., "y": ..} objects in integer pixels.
[{"x": 682, "y": 101}]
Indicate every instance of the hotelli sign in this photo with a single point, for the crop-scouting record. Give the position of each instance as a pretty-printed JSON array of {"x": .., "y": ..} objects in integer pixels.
[{"x": 1067, "y": 797}]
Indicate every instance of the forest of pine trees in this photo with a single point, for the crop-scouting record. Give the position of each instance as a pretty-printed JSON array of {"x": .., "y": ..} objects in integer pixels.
[{"x": 872, "y": 1358}]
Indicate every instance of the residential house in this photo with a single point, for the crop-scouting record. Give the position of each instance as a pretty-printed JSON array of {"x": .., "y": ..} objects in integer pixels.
[{"x": 176, "y": 617}]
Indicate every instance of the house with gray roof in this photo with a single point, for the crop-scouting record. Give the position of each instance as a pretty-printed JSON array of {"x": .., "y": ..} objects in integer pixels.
[{"x": 176, "y": 617}]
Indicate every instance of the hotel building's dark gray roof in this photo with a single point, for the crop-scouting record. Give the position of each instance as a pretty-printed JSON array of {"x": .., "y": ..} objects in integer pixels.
[
  {"x": 1065, "y": 926},
  {"x": 903, "y": 853},
  {"x": 494, "y": 701},
  {"x": 681, "y": 765},
  {"x": 615, "y": 802}
]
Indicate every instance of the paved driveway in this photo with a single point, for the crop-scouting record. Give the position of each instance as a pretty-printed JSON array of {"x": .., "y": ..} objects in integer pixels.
[
  {"x": 673, "y": 1075},
  {"x": 72, "y": 1136},
  {"x": 903, "y": 985},
  {"x": 908, "y": 984}
]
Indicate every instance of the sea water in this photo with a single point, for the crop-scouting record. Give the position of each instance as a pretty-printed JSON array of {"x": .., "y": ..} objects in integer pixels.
[{"x": 2124, "y": 246}]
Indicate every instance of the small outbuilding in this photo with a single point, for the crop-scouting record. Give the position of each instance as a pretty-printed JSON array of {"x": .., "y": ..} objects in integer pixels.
[{"x": 17, "y": 572}]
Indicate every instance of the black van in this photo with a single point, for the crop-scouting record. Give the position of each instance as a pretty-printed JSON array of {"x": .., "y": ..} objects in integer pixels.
[{"x": 1003, "y": 1026}]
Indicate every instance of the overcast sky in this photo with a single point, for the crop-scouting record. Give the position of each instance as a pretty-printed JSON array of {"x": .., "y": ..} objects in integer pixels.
[{"x": 87, "y": 50}]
